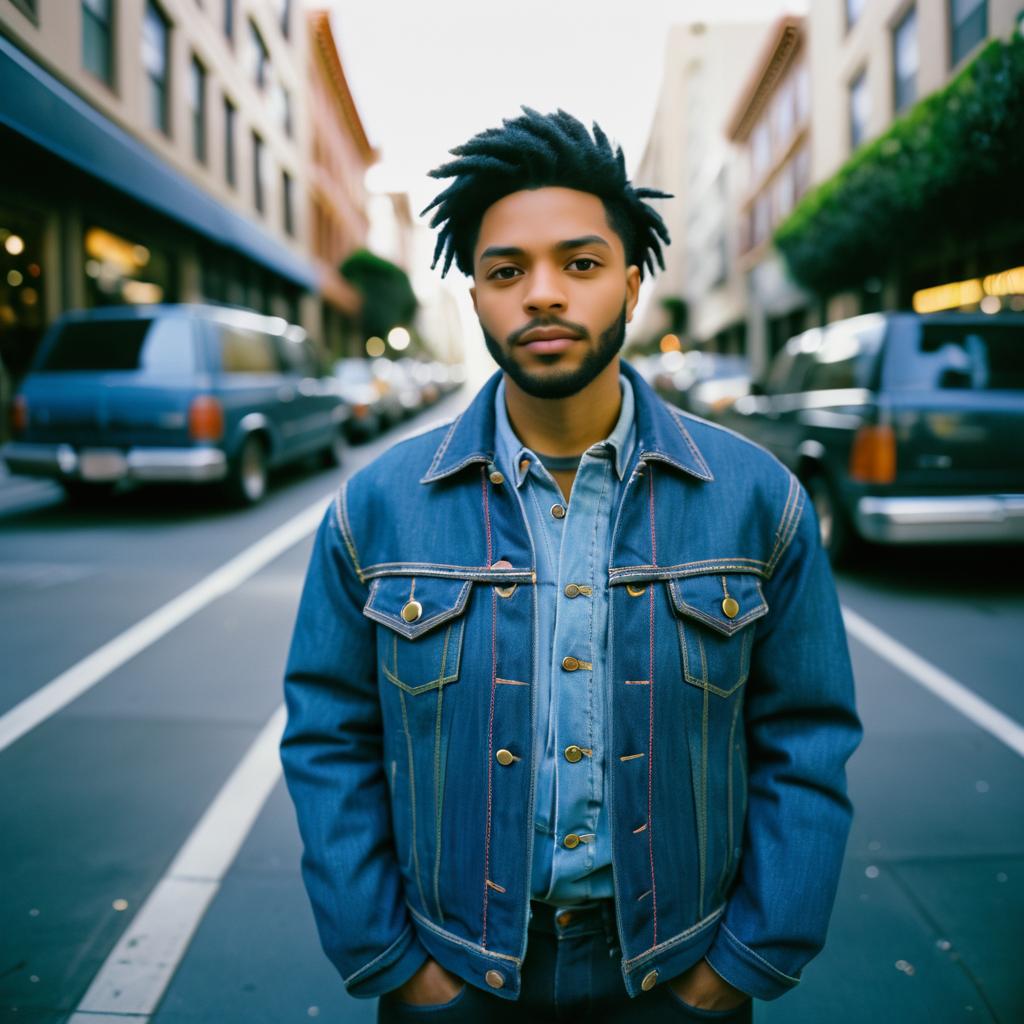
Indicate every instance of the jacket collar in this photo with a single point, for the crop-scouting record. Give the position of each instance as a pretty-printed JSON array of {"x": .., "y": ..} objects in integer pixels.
[{"x": 661, "y": 434}]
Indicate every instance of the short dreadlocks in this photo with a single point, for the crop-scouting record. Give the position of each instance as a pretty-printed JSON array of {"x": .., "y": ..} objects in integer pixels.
[{"x": 534, "y": 151}]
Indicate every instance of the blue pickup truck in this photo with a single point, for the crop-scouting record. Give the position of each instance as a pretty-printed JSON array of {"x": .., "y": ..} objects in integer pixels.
[
  {"x": 173, "y": 393},
  {"x": 905, "y": 428}
]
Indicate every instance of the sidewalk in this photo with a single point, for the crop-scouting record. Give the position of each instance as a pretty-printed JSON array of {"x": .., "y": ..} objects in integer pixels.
[{"x": 22, "y": 493}]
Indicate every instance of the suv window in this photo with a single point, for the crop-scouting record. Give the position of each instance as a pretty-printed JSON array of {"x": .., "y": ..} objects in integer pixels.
[
  {"x": 160, "y": 346},
  {"x": 299, "y": 357},
  {"x": 787, "y": 371},
  {"x": 246, "y": 351},
  {"x": 984, "y": 356},
  {"x": 846, "y": 358}
]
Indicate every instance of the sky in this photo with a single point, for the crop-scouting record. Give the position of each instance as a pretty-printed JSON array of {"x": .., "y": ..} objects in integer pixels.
[{"x": 427, "y": 75}]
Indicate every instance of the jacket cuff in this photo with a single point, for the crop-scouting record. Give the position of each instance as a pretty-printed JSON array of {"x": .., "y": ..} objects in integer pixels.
[
  {"x": 744, "y": 969},
  {"x": 395, "y": 966}
]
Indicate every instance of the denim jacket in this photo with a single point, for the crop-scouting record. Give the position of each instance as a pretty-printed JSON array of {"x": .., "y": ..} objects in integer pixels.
[{"x": 410, "y": 690}]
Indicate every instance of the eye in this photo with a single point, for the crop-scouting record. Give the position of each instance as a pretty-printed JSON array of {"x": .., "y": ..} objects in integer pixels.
[
  {"x": 503, "y": 274},
  {"x": 590, "y": 263}
]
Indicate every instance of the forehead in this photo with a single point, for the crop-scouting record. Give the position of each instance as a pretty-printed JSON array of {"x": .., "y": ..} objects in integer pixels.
[{"x": 538, "y": 219}]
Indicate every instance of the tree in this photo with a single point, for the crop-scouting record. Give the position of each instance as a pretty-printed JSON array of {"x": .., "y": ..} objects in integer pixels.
[{"x": 388, "y": 298}]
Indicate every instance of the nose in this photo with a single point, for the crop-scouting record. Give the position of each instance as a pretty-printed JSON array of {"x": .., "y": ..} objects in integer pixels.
[{"x": 545, "y": 294}]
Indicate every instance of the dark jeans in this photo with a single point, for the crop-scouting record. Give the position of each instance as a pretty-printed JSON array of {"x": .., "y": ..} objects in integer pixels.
[{"x": 571, "y": 973}]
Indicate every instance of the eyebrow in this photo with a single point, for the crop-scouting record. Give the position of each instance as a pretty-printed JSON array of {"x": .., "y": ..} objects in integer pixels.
[{"x": 506, "y": 251}]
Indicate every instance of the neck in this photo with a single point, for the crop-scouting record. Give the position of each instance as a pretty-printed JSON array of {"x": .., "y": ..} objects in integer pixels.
[{"x": 566, "y": 426}]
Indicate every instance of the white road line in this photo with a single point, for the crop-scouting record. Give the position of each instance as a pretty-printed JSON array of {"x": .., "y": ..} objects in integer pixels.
[
  {"x": 83, "y": 675},
  {"x": 136, "y": 974},
  {"x": 944, "y": 686}
]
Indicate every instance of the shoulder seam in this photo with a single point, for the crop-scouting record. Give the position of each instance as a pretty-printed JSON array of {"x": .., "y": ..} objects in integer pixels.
[
  {"x": 792, "y": 513},
  {"x": 341, "y": 510}
]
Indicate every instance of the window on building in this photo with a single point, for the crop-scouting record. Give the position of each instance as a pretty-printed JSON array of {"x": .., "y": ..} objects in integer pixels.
[
  {"x": 968, "y": 25},
  {"x": 98, "y": 39},
  {"x": 259, "y": 56},
  {"x": 860, "y": 109},
  {"x": 760, "y": 148},
  {"x": 287, "y": 206},
  {"x": 230, "y": 131},
  {"x": 905, "y": 61},
  {"x": 802, "y": 89},
  {"x": 197, "y": 100},
  {"x": 782, "y": 114},
  {"x": 284, "y": 16},
  {"x": 854, "y": 9},
  {"x": 229, "y": 19},
  {"x": 281, "y": 106},
  {"x": 156, "y": 38},
  {"x": 259, "y": 178}
]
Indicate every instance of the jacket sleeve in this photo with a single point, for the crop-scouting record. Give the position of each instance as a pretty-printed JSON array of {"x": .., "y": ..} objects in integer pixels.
[
  {"x": 332, "y": 756},
  {"x": 801, "y": 727}
]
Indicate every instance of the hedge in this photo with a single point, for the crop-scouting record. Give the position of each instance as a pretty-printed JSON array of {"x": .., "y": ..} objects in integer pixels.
[{"x": 949, "y": 169}]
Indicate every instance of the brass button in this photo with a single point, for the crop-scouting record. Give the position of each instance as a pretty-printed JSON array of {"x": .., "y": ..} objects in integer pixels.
[
  {"x": 572, "y": 590},
  {"x": 571, "y": 841},
  {"x": 563, "y": 919},
  {"x": 494, "y": 979},
  {"x": 558, "y": 511},
  {"x": 573, "y": 753},
  {"x": 570, "y": 664},
  {"x": 731, "y": 607},
  {"x": 510, "y": 589},
  {"x": 635, "y": 589},
  {"x": 496, "y": 476},
  {"x": 412, "y": 611},
  {"x": 650, "y": 980},
  {"x": 504, "y": 756}
]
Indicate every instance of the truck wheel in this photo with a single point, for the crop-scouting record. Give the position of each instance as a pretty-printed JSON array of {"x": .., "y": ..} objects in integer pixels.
[
  {"x": 247, "y": 482},
  {"x": 84, "y": 494},
  {"x": 837, "y": 534}
]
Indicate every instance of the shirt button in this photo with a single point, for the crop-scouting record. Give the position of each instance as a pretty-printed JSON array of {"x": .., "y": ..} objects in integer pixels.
[
  {"x": 572, "y": 590},
  {"x": 570, "y": 664},
  {"x": 650, "y": 980},
  {"x": 573, "y": 753},
  {"x": 558, "y": 511},
  {"x": 494, "y": 979},
  {"x": 412, "y": 611},
  {"x": 504, "y": 756},
  {"x": 563, "y": 919},
  {"x": 571, "y": 841},
  {"x": 496, "y": 477}
]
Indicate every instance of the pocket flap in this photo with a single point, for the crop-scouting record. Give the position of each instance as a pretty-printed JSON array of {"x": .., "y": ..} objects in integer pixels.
[
  {"x": 439, "y": 600},
  {"x": 705, "y": 598}
]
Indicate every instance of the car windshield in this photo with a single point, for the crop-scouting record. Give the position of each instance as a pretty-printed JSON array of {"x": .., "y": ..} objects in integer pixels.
[
  {"x": 161, "y": 346},
  {"x": 986, "y": 356}
]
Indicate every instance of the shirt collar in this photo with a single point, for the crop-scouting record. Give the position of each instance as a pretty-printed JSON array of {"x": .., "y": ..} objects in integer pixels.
[{"x": 517, "y": 457}]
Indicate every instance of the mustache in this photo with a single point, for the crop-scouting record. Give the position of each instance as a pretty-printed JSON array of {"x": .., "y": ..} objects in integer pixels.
[{"x": 577, "y": 329}]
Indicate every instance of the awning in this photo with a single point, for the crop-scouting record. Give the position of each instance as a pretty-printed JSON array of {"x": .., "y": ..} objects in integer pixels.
[{"x": 38, "y": 106}]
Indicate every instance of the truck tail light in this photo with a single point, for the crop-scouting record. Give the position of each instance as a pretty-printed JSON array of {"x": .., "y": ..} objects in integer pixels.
[
  {"x": 19, "y": 414},
  {"x": 873, "y": 456},
  {"x": 205, "y": 419}
]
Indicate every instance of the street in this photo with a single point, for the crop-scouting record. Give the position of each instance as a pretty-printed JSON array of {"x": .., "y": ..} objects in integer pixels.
[{"x": 103, "y": 794}]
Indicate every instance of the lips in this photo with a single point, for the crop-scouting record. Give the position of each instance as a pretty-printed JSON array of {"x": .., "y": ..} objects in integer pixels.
[{"x": 545, "y": 340}]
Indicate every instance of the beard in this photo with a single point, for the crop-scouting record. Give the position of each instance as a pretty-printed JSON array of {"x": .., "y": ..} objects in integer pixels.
[{"x": 558, "y": 385}]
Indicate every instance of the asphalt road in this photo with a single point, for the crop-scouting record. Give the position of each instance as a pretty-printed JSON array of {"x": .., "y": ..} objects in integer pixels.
[{"x": 98, "y": 799}]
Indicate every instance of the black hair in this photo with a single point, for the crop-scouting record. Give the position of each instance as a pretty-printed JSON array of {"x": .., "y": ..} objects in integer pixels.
[{"x": 535, "y": 151}]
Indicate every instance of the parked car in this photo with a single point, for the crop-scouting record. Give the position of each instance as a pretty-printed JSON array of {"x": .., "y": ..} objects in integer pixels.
[
  {"x": 904, "y": 428},
  {"x": 173, "y": 393},
  {"x": 354, "y": 381}
]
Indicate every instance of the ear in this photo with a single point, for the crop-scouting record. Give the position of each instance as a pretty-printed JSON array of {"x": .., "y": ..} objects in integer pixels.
[
  {"x": 472, "y": 295},
  {"x": 632, "y": 290}
]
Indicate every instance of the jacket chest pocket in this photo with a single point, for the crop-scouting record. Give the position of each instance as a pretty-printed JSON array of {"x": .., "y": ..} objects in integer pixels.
[
  {"x": 421, "y": 647},
  {"x": 715, "y": 615}
]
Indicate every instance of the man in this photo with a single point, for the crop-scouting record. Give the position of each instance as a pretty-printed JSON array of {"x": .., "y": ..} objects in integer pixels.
[{"x": 569, "y": 695}]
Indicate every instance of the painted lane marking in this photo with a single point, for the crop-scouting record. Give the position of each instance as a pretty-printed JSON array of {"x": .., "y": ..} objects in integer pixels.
[
  {"x": 138, "y": 970},
  {"x": 85, "y": 674},
  {"x": 940, "y": 683}
]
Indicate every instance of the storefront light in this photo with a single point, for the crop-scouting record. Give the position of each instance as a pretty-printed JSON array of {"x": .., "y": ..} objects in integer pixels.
[
  {"x": 14, "y": 278},
  {"x": 375, "y": 346},
  {"x": 14, "y": 244},
  {"x": 991, "y": 304},
  {"x": 970, "y": 293},
  {"x": 398, "y": 338}
]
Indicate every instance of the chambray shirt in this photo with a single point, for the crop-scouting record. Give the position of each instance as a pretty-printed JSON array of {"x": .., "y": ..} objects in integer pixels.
[{"x": 571, "y": 705}]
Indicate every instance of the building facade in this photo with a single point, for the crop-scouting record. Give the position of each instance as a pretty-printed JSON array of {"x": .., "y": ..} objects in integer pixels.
[
  {"x": 871, "y": 61},
  {"x": 688, "y": 155},
  {"x": 155, "y": 150},
  {"x": 340, "y": 154},
  {"x": 770, "y": 128}
]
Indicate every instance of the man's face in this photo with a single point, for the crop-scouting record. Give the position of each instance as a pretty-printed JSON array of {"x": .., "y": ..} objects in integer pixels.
[{"x": 552, "y": 289}]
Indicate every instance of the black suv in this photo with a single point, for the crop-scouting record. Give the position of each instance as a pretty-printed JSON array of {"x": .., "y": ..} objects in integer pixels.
[{"x": 904, "y": 428}]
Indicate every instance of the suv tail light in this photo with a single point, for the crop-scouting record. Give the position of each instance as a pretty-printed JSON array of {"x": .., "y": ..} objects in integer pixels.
[
  {"x": 873, "y": 456},
  {"x": 19, "y": 414},
  {"x": 205, "y": 419}
]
